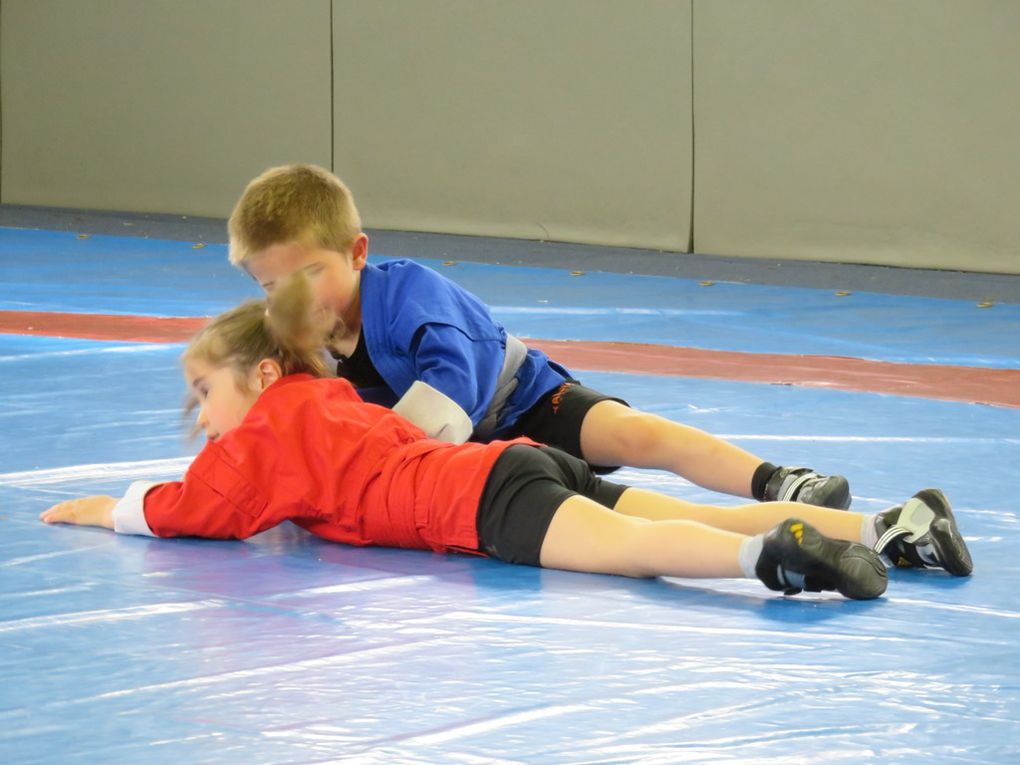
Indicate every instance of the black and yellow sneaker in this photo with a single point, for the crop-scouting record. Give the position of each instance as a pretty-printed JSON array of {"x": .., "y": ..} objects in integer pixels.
[
  {"x": 922, "y": 533},
  {"x": 795, "y": 557},
  {"x": 799, "y": 484}
]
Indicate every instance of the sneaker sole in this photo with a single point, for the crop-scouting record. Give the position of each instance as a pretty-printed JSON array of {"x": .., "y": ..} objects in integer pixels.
[
  {"x": 861, "y": 574},
  {"x": 858, "y": 573}
]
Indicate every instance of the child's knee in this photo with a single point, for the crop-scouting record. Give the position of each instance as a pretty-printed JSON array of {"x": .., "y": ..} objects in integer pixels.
[{"x": 584, "y": 536}]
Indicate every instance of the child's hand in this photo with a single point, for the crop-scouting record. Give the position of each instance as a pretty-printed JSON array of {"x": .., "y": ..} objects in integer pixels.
[{"x": 87, "y": 511}]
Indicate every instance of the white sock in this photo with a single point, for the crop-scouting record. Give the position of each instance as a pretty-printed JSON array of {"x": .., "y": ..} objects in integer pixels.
[
  {"x": 869, "y": 531},
  {"x": 750, "y": 551}
]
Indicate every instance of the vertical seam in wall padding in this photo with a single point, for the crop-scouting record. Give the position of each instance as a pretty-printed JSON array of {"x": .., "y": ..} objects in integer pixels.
[
  {"x": 332, "y": 95},
  {"x": 690, "y": 235},
  {"x": 1, "y": 110}
]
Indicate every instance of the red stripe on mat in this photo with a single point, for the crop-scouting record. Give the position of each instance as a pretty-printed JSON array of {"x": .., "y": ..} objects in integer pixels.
[
  {"x": 101, "y": 326},
  {"x": 998, "y": 387}
]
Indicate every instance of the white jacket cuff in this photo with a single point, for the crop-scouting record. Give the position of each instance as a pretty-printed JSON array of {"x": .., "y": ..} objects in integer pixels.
[
  {"x": 436, "y": 413},
  {"x": 129, "y": 512}
]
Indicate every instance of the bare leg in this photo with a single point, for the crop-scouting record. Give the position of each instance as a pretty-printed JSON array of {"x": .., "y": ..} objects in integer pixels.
[
  {"x": 613, "y": 434},
  {"x": 585, "y": 536},
  {"x": 743, "y": 519}
]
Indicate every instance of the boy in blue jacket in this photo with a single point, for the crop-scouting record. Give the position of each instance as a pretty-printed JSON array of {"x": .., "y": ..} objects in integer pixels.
[{"x": 408, "y": 338}]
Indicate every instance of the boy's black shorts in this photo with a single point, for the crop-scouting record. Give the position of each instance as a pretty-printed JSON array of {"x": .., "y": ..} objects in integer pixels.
[
  {"x": 526, "y": 486},
  {"x": 556, "y": 418}
]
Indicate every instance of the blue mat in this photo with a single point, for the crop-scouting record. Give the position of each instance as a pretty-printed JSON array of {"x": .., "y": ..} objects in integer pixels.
[{"x": 286, "y": 649}]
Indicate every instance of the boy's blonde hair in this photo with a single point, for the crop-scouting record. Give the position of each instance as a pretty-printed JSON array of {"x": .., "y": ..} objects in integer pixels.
[
  {"x": 283, "y": 330},
  {"x": 293, "y": 203}
]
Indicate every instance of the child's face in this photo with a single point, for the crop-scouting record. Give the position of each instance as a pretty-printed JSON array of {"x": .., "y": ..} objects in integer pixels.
[
  {"x": 222, "y": 403},
  {"x": 333, "y": 276}
]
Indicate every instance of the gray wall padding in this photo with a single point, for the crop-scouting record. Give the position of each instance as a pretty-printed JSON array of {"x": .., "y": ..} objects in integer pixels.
[
  {"x": 865, "y": 132},
  {"x": 566, "y": 120},
  {"x": 161, "y": 105},
  {"x": 870, "y": 132}
]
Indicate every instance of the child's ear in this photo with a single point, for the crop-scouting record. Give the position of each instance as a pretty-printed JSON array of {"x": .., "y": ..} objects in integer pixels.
[
  {"x": 269, "y": 371},
  {"x": 359, "y": 251}
]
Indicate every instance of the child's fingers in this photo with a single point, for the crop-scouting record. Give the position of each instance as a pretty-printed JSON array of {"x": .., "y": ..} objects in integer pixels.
[
  {"x": 51, "y": 515},
  {"x": 62, "y": 512},
  {"x": 84, "y": 511}
]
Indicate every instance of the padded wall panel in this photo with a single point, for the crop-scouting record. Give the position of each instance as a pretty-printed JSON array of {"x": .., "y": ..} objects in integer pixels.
[
  {"x": 567, "y": 120},
  {"x": 870, "y": 132},
  {"x": 162, "y": 105}
]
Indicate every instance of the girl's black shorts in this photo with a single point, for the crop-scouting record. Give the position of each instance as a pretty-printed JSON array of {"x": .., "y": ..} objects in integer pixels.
[{"x": 526, "y": 486}]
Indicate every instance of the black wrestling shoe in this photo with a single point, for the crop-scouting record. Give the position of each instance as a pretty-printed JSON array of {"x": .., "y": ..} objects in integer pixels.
[
  {"x": 922, "y": 533},
  {"x": 798, "y": 484},
  {"x": 797, "y": 557}
]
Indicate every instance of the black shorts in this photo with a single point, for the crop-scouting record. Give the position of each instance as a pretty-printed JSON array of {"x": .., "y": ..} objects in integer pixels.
[
  {"x": 525, "y": 488},
  {"x": 556, "y": 419}
]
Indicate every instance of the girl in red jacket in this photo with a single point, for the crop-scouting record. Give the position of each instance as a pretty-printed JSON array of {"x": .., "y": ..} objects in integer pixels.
[{"x": 286, "y": 444}]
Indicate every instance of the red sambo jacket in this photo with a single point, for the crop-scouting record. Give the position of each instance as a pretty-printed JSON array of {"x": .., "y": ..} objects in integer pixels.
[{"x": 312, "y": 452}]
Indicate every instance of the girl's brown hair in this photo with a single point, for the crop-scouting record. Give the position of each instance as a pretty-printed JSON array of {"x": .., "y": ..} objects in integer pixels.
[{"x": 283, "y": 329}]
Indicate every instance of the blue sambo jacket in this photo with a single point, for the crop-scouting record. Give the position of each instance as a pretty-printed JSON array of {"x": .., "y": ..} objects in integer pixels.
[{"x": 419, "y": 325}]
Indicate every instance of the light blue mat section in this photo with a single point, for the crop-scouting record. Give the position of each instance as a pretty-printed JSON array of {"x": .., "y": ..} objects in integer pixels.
[{"x": 288, "y": 650}]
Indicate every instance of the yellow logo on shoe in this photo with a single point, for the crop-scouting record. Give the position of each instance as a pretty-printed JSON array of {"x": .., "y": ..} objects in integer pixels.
[{"x": 797, "y": 529}]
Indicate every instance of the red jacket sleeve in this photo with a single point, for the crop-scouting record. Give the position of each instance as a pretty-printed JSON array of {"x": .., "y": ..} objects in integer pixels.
[{"x": 214, "y": 500}]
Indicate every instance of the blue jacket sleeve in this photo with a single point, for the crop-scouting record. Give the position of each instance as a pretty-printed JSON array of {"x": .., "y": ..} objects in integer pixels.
[{"x": 464, "y": 369}]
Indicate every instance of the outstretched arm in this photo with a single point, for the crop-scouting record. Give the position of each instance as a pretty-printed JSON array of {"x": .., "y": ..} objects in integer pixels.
[
  {"x": 125, "y": 515},
  {"x": 214, "y": 501},
  {"x": 86, "y": 511},
  {"x": 172, "y": 509}
]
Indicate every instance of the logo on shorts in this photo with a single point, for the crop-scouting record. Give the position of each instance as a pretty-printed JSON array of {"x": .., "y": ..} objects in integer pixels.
[{"x": 557, "y": 397}]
